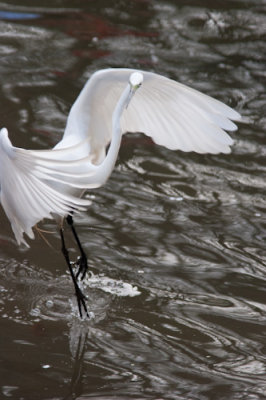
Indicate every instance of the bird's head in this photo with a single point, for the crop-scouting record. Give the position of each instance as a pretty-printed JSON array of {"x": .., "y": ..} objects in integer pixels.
[{"x": 135, "y": 81}]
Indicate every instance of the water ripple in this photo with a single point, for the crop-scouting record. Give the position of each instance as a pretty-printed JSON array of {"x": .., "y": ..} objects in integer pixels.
[{"x": 176, "y": 241}]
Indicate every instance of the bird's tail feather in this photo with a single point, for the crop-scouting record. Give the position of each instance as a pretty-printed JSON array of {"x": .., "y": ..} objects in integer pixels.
[{"x": 27, "y": 194}]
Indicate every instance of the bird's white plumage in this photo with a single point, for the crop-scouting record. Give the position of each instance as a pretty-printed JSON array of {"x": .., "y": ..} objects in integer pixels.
[
  {"x": 172, "y": 114},
  {"x": 136, "y": 79},
  {"x": 37, "y": 184},
  {"x": 27, "y": 193}
]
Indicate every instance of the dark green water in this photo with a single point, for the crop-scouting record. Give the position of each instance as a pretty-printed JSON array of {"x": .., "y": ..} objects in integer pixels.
[{"x": 176, "y": 240}]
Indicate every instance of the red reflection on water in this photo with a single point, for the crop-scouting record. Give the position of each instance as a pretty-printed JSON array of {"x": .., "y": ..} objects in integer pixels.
[
  {"x": 140, "y": 140},
  {"x": 81, "y": 25},
  {"x": 86, "y": 26},
  {"x": 4, "y": 242},
  {"x": 39, "y": 329},
  {"x": 91, "y": 53}
]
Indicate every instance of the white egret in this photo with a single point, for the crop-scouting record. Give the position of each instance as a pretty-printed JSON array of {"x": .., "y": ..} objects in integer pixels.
[{"x": 37, "y": 184}]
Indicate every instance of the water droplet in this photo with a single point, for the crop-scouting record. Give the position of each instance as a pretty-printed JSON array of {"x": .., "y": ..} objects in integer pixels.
[
  {"x": 91, "y": 315},
  {"x": 49, "y": 303},
  {"x": 46, "y": 366}
]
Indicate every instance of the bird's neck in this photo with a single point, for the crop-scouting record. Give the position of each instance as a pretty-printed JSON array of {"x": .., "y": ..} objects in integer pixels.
[{"x": 110, "y": 159}]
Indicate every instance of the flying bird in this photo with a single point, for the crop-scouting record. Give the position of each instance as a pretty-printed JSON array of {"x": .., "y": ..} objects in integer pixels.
[{"x": 37, "y": 184}]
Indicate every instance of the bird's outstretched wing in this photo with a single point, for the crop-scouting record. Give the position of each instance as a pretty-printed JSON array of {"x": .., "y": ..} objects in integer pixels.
[
  {"x": 172, "y": 114},
  {"x": 27, "y": 190}
]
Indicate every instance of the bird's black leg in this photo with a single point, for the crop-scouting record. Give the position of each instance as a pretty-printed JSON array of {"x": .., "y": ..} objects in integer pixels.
[
  {"x": 81, "y": 299},
  {"x": 82, "y": 262}
]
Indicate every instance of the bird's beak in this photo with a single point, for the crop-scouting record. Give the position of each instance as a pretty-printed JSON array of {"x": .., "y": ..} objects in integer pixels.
[{"x": 131, "y": 94}]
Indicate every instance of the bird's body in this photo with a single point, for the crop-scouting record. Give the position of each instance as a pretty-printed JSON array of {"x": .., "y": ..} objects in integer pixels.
[{"x": 37, "y": 184}]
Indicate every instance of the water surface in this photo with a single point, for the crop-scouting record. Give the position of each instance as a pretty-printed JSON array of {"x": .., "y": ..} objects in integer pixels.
[{"x": 176, "y": 241}]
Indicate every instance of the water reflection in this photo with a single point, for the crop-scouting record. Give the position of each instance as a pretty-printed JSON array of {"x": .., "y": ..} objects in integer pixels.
[
  {"x": 78, "y": 339},
  {"x": 183, "y": 233}
]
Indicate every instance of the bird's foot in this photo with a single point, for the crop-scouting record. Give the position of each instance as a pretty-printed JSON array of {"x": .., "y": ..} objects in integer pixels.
[
  {"x": 81, "y": 299},
  {"x": 82, "y": 264}
]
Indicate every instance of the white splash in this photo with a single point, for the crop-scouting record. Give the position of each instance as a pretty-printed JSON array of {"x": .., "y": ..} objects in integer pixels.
[{"x": 113, "y": 286}]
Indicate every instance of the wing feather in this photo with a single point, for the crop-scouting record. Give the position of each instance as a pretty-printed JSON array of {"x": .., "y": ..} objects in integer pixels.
[
  {"x": 25, "y": 197},
  {"x": 172, "y": 114}
]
